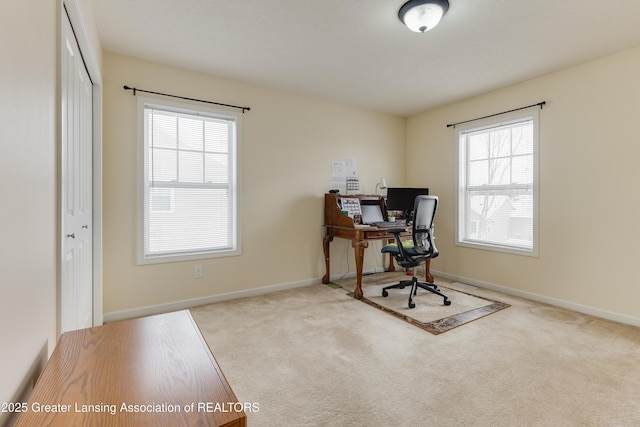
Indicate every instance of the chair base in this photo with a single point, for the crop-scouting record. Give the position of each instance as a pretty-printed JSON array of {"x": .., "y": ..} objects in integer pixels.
[{"x": 415, "y": 284}]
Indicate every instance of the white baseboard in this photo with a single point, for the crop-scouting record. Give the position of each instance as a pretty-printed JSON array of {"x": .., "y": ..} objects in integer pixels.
[
  {"x": 22, "y": 393},
  {"x": 186, "y": 304},
  {"x": 592, "y": 311}
]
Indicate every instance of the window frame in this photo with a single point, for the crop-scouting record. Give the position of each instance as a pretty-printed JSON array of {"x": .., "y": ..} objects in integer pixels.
[
  {"x": 462, "y": 172},
  {"x": 144, "y": 196}
]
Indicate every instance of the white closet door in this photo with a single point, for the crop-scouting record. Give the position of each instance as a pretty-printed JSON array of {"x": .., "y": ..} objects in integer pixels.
[{"x": 76, "y": 300}]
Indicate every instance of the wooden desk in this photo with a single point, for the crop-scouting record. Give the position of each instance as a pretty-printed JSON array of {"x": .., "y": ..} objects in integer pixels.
[
  {"x": 339, "y": 225},
  {"x": 153, "y": 371}
]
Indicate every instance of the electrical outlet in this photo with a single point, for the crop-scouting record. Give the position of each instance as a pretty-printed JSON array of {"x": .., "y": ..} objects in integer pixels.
[{"x": 198, "y": 271}]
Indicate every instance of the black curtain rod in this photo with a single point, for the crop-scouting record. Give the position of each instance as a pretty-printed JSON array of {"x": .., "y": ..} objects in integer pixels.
[
  {"x": 539, "y": 104},
  {"x": 184, "y": 97}
]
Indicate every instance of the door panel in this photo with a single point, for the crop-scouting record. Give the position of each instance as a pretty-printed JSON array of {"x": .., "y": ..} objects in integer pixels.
[{"x": 76, "y": 301}]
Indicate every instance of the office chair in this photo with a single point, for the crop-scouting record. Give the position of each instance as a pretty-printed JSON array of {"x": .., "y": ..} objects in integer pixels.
[{"x": 423, "y": 248}]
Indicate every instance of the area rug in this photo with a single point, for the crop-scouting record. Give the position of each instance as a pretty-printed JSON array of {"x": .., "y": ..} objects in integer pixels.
[{"x": 429, "y": 313}]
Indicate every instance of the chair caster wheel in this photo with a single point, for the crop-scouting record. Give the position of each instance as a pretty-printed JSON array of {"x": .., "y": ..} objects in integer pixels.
[
  {"x": 385, "y": 293},
  {"x": 412, "y": 304},
  {"x": 447, "y": 302}
]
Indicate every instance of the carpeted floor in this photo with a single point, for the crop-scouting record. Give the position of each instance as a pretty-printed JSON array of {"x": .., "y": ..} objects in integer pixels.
[{"x": 313, "y": 356}]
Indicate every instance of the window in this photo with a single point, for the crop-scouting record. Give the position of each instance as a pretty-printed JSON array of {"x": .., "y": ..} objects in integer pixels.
[
  {"x": 498, "y": 194},
  {"x": 188, "y": 181}
]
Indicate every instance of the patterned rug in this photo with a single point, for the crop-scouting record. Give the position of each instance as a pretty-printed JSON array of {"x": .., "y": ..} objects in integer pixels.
[{"x": 429, "y": 313}]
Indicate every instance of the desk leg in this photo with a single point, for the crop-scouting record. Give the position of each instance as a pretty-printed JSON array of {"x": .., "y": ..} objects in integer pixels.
[
  {"x": 327, "y": 258},
  {"x": 359, "y": 246},
  {"x": 427, "y": 271},
  {"x": 392, "y": 266}
]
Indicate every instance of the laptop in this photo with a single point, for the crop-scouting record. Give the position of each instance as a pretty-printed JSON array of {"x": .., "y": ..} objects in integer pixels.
[{"x": 371, "y": 214}]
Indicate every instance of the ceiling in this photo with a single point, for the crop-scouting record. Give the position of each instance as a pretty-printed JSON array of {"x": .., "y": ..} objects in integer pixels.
[{"x": 358, "y": 52}]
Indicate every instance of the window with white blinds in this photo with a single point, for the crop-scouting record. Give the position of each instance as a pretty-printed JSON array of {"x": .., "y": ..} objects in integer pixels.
[
  {"x": 188, "y": 182},
  {"x": 498, "y": 195}
]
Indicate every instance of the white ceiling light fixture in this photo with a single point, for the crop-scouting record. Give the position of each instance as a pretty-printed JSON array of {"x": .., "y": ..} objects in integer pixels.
[{"x": 422, "y": 15}]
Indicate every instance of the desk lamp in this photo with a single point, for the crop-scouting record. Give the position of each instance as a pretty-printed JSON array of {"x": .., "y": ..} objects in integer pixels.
[{"x": 382, "y": 185}]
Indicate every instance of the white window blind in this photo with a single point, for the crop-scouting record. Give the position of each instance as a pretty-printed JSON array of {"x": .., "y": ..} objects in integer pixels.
[
  {"x": 189, "y": 183},
  {"x": 497, "y": 206}
]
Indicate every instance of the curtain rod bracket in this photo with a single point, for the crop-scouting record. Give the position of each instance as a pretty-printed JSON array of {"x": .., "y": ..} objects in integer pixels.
[{"x": 135, "y": 90}]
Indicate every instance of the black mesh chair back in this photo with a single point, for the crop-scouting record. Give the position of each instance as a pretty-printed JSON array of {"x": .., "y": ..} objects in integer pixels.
[
  {"x": 424, "y": 248},
  {"x": 423, "y": 213}
]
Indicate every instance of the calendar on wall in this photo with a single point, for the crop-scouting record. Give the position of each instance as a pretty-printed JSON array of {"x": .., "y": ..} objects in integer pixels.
[
  {"x": 344, "y": 176},
  {"x": 353, "y": 185}
]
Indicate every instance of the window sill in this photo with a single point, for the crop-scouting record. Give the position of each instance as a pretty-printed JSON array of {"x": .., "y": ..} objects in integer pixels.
[
  {"x": 498, "y": 248},
  {"x": 161, "y": 259}
]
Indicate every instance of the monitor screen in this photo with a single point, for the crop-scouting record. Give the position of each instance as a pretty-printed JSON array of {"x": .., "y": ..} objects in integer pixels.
[{"x": 403, "y": 199}]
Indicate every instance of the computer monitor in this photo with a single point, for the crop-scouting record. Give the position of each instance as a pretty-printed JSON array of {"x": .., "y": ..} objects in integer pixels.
[{"x": 403, "y": 199}]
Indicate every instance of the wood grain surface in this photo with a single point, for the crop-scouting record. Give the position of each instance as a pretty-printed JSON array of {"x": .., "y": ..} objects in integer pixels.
[{"x": 152, "y": 371}]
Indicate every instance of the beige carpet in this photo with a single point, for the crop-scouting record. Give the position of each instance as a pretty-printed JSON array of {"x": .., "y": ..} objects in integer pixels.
[
  {"x": 315, "y": 357},
  {"x": 430, "y": 313}
]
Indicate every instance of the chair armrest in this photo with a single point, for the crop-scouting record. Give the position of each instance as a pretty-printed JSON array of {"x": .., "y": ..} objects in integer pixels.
[{"x": 396, "y": 234}]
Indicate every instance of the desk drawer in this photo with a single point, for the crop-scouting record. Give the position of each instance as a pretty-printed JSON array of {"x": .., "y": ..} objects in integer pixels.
[
  {"x": 378, "y": 235},
  {"x": 382, "y": 234}
]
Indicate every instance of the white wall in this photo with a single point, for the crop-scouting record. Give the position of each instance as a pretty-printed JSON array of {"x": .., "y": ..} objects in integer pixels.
[
  {"x": 589, "y": 175},
  {"x": 288, "y": 144},
  {"x": 29, "y": 37},
  {"x": 28, "y": 188}
]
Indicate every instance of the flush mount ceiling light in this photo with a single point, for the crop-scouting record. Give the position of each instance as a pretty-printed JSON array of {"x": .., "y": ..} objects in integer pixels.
[{"x": 422, "y": 15}]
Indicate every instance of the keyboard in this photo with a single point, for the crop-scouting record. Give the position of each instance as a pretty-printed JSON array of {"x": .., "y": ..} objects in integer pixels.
[{"x": 390, "y": 224}]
